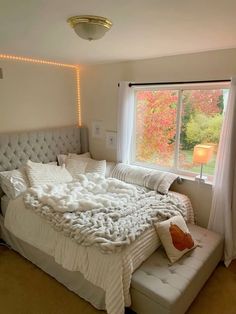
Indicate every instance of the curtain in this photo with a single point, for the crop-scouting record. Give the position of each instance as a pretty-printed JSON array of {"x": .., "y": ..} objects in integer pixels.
[
  {"x": 125, "y": 121},
  {"x": 223, "y": 211}
]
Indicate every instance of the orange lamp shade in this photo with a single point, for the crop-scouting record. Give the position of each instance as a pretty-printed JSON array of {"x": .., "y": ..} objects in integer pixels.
[{"x": 202, "y": 153}]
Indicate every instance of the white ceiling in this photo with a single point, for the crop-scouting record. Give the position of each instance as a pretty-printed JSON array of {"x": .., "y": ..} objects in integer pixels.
[{"x": 142, "y": 29}]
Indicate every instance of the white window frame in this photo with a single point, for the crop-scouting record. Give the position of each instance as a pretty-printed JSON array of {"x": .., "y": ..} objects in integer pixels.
[{"x": 180, "y": 88}]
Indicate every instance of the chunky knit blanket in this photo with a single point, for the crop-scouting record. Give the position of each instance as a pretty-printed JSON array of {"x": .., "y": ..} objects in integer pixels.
[{"x": 95, "y": 211}]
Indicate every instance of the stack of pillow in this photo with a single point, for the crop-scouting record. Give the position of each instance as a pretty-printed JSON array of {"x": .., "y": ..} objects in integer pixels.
[{"x": 16, "y": 182}]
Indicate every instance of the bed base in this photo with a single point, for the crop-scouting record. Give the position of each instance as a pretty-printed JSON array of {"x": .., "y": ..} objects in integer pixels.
[{"x": 73, "y": 280}]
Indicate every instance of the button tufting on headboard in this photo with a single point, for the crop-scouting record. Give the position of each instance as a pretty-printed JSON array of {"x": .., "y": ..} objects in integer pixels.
[{"x": 40, "y": 146}]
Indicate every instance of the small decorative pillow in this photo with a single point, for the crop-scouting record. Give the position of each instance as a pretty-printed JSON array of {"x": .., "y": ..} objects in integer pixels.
[
  {"x": 62, "y": 158},
  {"x": 52, "y": 163},
  {"x": 14, "y": 182},
  {"x": 39, "y": 174},
  {"x": 175, "y": 237},
  {"x": 78, "y": 166}
]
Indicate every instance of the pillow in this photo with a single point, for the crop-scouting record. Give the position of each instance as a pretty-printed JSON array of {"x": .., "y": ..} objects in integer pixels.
[
  {"x": 77, "y": 166},
  {"x": 84, "y": 155},
  {"x": 175, "y": 237},
  {"x": 62, "y": 158},
  {"x": 52, "y": 163},
  {"x": 159, "y": 181},
  {"x": 130, "y": 174},
  {"x": 39, "y": 174},
  {"x": 14, "y": 182}
]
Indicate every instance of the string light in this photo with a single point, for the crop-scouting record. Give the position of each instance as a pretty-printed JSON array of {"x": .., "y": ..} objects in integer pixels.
[
  {"x": 40, "y": 61},
  {"x": 78, "y": 97}
]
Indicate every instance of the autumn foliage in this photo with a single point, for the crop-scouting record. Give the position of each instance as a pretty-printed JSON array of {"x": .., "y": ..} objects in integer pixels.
[{"x": 156, "y": 122}]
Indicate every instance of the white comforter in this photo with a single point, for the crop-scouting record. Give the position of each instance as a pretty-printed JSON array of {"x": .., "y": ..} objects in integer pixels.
[{"x": 106, "y": 213}]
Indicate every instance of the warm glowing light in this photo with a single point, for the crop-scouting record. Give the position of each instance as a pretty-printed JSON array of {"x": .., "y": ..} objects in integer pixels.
[
  {"x": 78, "y": 97},
  {"x": 10, "y": 57},
  {"x": 202, "y": 153},
  {"x": 39, "y": 61}
]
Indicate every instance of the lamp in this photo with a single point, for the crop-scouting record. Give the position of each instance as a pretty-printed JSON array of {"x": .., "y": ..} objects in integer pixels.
[
  {"x": 90, "y": 27},
  {"x": 201, "y": 155}
]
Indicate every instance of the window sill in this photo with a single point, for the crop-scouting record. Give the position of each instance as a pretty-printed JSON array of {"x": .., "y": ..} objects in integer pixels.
[
  {"x": 192, "y": 179},
  {"x": 183, "y": 177}
]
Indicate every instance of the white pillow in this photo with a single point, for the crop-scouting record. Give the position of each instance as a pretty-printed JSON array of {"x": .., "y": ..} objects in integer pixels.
[
  {"x": 175, "y": 237},
  {"x": 39, "y": 174},
  {"x": 14, "y": 182},
  {"x": 153, "y": 179},
  {"x": 62, "y": 158},
  {"x": 52, "y": 163},
  {"x": 77, "y": 166}
]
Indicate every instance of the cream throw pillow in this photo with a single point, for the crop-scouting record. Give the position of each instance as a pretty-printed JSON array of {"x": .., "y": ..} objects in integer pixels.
[
  {"x": 14, "y": 182},
  {"x": 39, "y": 174},
  {"x": 62, "y": 158},
  {"x": 175, "y": 237},
  {"x": 78, "y": 166}
]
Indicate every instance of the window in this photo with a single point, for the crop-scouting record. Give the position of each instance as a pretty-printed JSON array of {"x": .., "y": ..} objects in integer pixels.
[{"x": 169, "y": 122}]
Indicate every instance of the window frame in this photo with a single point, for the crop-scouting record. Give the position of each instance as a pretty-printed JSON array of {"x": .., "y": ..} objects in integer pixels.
[{"x": 180, "y": 88}]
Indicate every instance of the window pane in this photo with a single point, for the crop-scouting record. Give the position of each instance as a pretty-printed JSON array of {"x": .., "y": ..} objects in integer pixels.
[
  {"x": 202, "y": 116},
  {"x": 156, "y": 126}
]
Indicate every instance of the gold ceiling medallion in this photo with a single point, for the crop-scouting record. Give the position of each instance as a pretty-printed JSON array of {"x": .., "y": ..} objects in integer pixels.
[{"x": 90, "y": 27}]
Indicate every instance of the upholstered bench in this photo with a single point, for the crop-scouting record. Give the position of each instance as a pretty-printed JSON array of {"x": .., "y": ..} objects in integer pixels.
[{"x": 159, "y": 287}]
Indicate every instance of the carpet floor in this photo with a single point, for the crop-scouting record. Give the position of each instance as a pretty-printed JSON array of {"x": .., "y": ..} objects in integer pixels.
[{"x": 25, "y": 289}]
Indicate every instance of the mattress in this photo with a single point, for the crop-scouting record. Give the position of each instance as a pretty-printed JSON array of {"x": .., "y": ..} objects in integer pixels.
[
  {"x": 4, "y": 203},
  {"x": 110, "y": 272}
]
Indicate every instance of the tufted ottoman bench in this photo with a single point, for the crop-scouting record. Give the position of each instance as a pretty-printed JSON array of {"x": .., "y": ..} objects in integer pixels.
[{"x": 159, "y": 288}]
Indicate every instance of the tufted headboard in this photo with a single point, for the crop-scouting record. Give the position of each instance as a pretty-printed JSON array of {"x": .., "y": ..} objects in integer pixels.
[{"x": 40, "y": 146}]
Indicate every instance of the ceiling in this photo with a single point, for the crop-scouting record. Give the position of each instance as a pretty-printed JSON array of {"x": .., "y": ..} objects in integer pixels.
[{"x": 141, "y": 30}]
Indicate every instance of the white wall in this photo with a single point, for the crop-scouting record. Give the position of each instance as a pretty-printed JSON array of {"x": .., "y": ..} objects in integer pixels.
[
  {"x": 36, "y": 96},
  {"x": 99, "y": 99}
]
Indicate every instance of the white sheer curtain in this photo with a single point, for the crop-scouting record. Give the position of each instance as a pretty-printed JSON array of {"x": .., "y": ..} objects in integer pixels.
[
  {"x": 223, "y": 211},
  {"x": 125, "y": 121}
]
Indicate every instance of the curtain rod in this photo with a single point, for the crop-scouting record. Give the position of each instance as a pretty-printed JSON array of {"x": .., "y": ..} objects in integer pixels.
[{"x": 177, "y": 83}]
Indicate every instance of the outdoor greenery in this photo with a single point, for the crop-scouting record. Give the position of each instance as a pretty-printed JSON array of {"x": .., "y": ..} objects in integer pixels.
[{"x": 201, "y": 119}]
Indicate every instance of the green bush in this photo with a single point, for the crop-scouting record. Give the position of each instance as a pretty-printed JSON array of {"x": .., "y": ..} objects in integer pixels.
[{"x": 203, "y": 129}]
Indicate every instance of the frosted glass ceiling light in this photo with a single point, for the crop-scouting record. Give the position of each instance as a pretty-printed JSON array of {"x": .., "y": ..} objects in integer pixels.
[{"x": 90, "y": 27}]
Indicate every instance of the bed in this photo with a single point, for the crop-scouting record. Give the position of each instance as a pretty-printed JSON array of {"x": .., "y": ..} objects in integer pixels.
[{"x": 102, "y": 279}]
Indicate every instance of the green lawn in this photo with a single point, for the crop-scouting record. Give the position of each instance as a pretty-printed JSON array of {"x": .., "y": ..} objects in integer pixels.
[{"x": 188, "y": 160}]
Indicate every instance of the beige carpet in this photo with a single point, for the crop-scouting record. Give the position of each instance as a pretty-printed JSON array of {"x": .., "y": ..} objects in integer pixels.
[{"x": 25, "y": 289}]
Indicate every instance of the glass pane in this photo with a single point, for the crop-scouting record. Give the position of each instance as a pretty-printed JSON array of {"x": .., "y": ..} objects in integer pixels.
[
  {"x": 202, "y": 116},
  {"x": 156, "y": 126}
]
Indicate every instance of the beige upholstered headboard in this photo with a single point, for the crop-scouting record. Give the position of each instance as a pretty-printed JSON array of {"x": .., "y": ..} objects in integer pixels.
[{"x": 40, "y": 146}]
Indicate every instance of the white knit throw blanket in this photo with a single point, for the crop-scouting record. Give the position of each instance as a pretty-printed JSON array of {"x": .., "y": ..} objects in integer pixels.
[{"x": 107, "y": 213}]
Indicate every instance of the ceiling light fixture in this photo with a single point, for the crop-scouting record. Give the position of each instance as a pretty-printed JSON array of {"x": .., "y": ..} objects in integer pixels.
[{"x": 90, "y": 27}]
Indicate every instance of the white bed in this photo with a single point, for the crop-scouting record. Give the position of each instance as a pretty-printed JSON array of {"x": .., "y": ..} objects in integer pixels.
[
  {"x": 102, "y": 279},
  {"x": 111, "y": 272}
]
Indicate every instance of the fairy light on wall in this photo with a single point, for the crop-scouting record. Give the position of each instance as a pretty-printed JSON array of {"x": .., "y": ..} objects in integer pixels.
[
  {"x": 78, "y": 97},
  {"x": 40, "y": 61}
]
